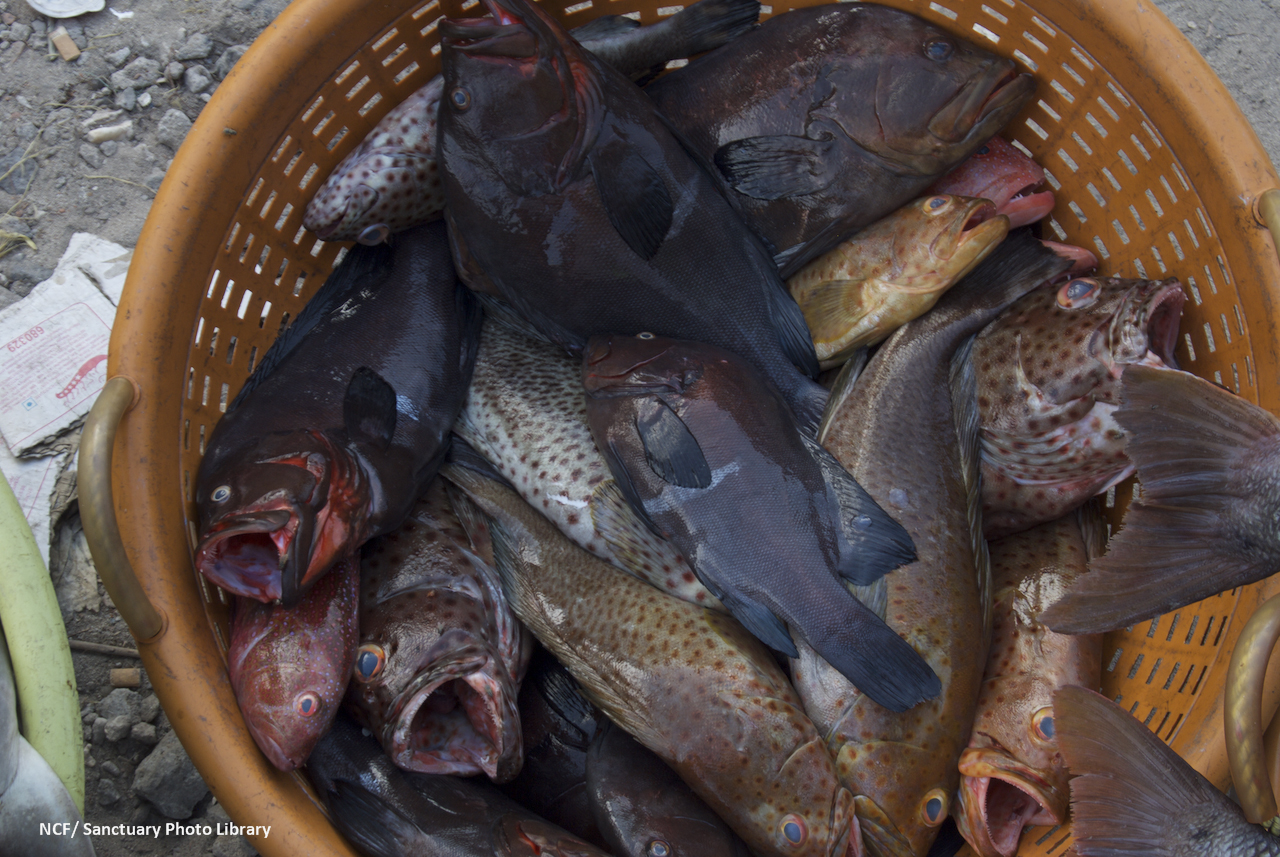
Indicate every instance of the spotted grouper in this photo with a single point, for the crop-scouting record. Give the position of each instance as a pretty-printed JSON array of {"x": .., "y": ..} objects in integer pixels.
[
  {"x": 441, "y": 657},
  {"x": 1048, "y": 374}
]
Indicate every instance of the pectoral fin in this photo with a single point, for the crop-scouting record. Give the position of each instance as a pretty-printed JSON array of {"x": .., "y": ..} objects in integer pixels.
[
  {"x": 775, "y": 167},
  {"x": 369, "y": 408},
  {"x": 634, "y": 195},
  {"x": 670, "y": 448}
]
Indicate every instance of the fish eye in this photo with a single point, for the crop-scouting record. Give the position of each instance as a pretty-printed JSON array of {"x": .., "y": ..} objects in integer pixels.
[
  {"x": 933, "y": 810},
  {"x": 375, "y": 234},
  {"x": 939, "y": 50},
  {"x": 220, "y": 494},
  {"x": 985, "y": 150},
  {"x": 935, "y": 204},
  {"x": 793, "y": 829},
  {"x": 1042, "y": 724},
  {"x": 1078, "y": 293},
  {"x": 307, "y": 704},
  {"x": 370, "y": 659},
  {"x": 644, "y": 335},
  {"x": 658, "y": 848},
  {"x": 460, "y": 98}
]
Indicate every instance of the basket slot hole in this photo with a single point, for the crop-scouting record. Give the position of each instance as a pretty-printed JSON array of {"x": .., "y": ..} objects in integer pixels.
[
  {"x": 388, "y": 36},
  {"x": 1137, "y": 218},
  {"x": 226, "y": 295},
  {"x": 1128, "y": 163},
  {"x": 312, "y": 108},
  {"x": 347, "y": 72},
  {"x": 1177, "y": 247},
  {"x": 435, "y": 49},
  {"x": 1074, "y": 75},
  {"x": 1222, "y": 266},
  {"x": 253, "y": 359},
  {"x": 1097, "y": 126},
  {"x": 284, "y": 323},
  {"x": 1155, "y": 203},
  {"x": 1057, "y": 229},
  {"x": 1068, "y": 160},
  {"x": 1055, "y": 846},
  {"x": 394, "y": 55},
  {"x": 1155, "y": 623},
  {"x": 204, "y": 401},
  {"x": 1248, "y": 369},
  {"x": 253, "y": 194},
  {"x": 262, "y": 318},
  {"x": 1111, "y": 497},
  {"x": 1026, "y": 60},
  {"x": 1096, "y": 194},
  {"x": 1191, "y": 632},
  {"x": 297, "y": 236},
  {"x": 323, "y": 123},
  {"x": 244, "y": 251},
  {"x": 1226, "y": 329},
  {"x": 360, "y": 84},
  {"x": 1115, "y": 659},
  {"x": 1142, "y": 150},
  {"x": 1063, "y": 91},
  {"x": 1140, "y": 268},
  {"x": 284, "y": 263},
  {"x": 1053, "y": 114},
  {"x": 317, "y": 247},
  {"x": 1155, "y": 140},
  {"x": 425, "y": 9},
  {"x": 297, "y": 285},
  {"x": 1033, "y": 40},
  {"x": 293, "y": 162},
  {"x": 1111, "y": 179},
  {"x": 191, "y": 382},
  {"x": 1167, "y": 189},
  {"x": 1191, "y": 233},
  {"x": 369, "y": 105},
  {"x": 405, "y": 72},
  {"x": 213, "y": 341},
  {"x": 1050, "y": 832},
  {"x": 1150, "y": 717},
  {"x": 1217, "y": 379},
  {"x": 944, "y": 11},
  {"x": 262, "y": 259},
  {"x": 1173, "y": 729},
  {"x": 1235, "y": 308},
  {"x": 1235, "y": 378},
  {"x": 1103, "y": 252},
  {"x": 985, "y": 33},
  {"x": 1182, "y": 179},
  {"x": 244, "y": 306},
  {"x": 284, "y": 215},
  {"x": 1077, "y": 211},
  {"x": 1048, "y": 31},
  {"x": 308, "y": 176},
  {"x": 202, "y": 431},
  {"x": 186, "y": 440},
  {"x": 266, "y": 206},
  {"x": 1003, "y": 19},
  {"x": 1222, "y": 626},
  {"x": 1208, "y": 335},
  {"x": 1081, "y": 143},
  {"x": 1124, "y": 236},
  {"x": 231, "y": 350},
  {"x": 584, "y": 6},
  {"x": 284, "y": 144},
  {"x": 339, "y": 256},
  {"x": 1133, "y": 671},
  {"x": 1191, "y": 349},
  {"x": 1102, "y": 102},
  {"x": 1195, "y": 688},
  {"x": 1204, "y": 222},
  {"x": 1155, "y": 669},
  {"x": 427, "y": 29},
  {"x": 1155, "y": 252},
  {"x": 222, "y": 398},
  {"x": 337, "y": 138},
  {"x": 1052, "y": 180},
  {"x": 1173, "y": 673},
  {"x": 231, "y": 239},
  {"x": 199, "y": 330}
]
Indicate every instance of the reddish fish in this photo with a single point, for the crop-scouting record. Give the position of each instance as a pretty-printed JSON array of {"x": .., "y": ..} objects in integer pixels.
[
  {"x": 290, "y": 666},
  {"x": 1048, "y": 374},
  {"x": 1012, "y": 773},
  {"x": 441, "y": 656},
  {"x": 1003, "y": 174}
]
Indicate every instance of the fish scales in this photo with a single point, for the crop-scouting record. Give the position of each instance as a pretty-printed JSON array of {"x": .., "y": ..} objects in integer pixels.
[
  {"x": 902, "y": 767},
  {"x": 527, "y": 415},
  {"x": 689, "y": 683}
]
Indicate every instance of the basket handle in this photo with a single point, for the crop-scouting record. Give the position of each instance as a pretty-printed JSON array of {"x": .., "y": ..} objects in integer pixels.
[
  {"x": 1243, "y": 711},
  {"x": 98, "y": 511},
  {"x": 1266, "y": 208}
]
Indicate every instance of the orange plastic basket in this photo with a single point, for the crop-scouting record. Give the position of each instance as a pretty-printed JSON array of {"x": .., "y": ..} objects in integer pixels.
[{"x": 1155, "y": 169}]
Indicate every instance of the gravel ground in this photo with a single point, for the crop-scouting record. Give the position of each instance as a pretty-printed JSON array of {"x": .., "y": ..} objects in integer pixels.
[{"x": 151, "y": 73}]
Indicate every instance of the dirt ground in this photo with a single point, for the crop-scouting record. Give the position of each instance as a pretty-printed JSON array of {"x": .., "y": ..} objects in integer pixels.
[{"x": 155, "y": 69}]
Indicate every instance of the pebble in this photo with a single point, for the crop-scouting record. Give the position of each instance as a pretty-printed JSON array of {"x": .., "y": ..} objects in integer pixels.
[
  {"x": 118, "y": 728},
  {"x": 149, "y": 707},
  {"x": 101, "y": 116},
  {"x": 169, "y": 780},
  {"x": 197, "y": 47},
  {"x": 173, "y": 70},
  {"x": 144, "y": 100},
  {"x": 154, "y": 180},
  {"x": 141, "y": 72},
  {"x": 127, "y": 98},
  {"x": 111, "y": 132},
  {"x": 26, "y": 131},
  {"x": 228, "y": 59},
  {"x": 19, "y": 32},
  {"x": 99, "y": 731},
  {"x": 117, "y": 58},
  {"x": 111, "y": 768},
  {"x": 108, "y": 794},
  {"x": 173, "y": 128},
  {"x": 121, "y": 702},
  {"x": 109, "y": 148},
  {"x": 50, "y": 135},
  {"x": 144, "y": 733},
  {"x": 91, "y": 155},
  {"x": 18, "y": 177},
  {"x": 197, "y": 79}
]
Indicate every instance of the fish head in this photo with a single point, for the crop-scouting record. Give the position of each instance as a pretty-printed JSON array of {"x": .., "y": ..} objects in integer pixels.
[
  {"x": 1012, "y": 774},
  {"x": 1003, "y": 174},
  {"x": 290, "y": 668},
  {"x": 521, "y": 97},
  {"x": 616, "y": 365},
  {"x": 381, "y": 192},
  {"x": 937, "y": 98},
  {"x": 526, "y": 835},
  {"x": 275, "y": 514},
  {"x": 940, "y": 238},
  {"x": 1063, "y": 347}
]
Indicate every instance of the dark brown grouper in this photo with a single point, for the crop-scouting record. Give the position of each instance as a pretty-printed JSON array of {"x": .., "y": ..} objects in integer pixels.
[
  {"x": 391, "y": 181},
  {"x": 386, "y": 812},
  {"x": 827, "y": 118},
  {"x": 1209, "y": 464},
  {"x": 1133, "y": 796},
  {"x": 571, "y": 199},
  {"x": 689, "y": 683},
  {"x": 1048, "y": 384},
  {"x": 441, "y": 656},
  {"x": 706, "y": 451},
  {"x": 906, "y": 429},
  {"x": 644, "y": 809},
  {"x": 290, "y": 667},
  {"x": 342, "y": 425},
  {"x": 1012, "y": 773}
]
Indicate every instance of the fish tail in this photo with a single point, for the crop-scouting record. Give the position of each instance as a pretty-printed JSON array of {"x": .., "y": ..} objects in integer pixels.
[
  {"x": 710, "y": 23},
  {"x": 373, "y": 827},
  {"x": 1131, "y": 795},
  {"x": 1189, "y": 536}
]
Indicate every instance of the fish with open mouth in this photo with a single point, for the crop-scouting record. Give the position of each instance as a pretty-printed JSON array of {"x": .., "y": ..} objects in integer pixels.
[
  {"x": 825, "y": 119},
  {"x": 1048, "y": 374},
  {"x": 1012, "y": 773},
  {"x": 1003, "y": 174},
  {"x": 877, "y": 280},
  {"x": 290, "y": 667},
  {"x": 441, "y": 656},
  {"x": 391, "y": 181},
  {"x": 571, "y": 199},
  {"x": 343, "y": 423}
]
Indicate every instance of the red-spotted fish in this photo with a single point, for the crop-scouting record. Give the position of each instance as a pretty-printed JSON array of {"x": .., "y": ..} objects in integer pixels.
[
  {"x": 1048, "y": 385},
  {"x": 1003, "y": 174},
  {"x": 290, "y": 666},
  {"x": 441, "y": 657},
  {"x": 1133, "y": 796},
  {"x": 1012, "y": 772},
  {"x": 391, "y": 181}
]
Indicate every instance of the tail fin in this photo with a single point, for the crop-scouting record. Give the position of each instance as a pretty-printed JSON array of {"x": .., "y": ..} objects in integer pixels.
[
  {"x": 1132, "y": 795},
  {"x": 710, "y": 23},
  {"x": 1204, "y": 458}
]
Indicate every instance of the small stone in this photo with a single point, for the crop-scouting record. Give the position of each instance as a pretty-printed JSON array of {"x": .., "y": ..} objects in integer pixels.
[
  {"x": 50, "y": 134},
  {"x": 197, "y": 79},
  {"x": 148, "y": 708},
  {"x": 144, "y": 733},
  {"x": 117, "y": 58},
  {"x": 89, "y": 761},
  {"x": 8, "y": 298},
  {"x": 89, "y": 716},
  {"x": 60, "y": 182},
  {"x": 121, "y": 702},
  {"x": 229, "y": 845},
  {"x": 174, "y": 70},
  {"x": 144, "y": 100},
  {"x": 19, "y": 32},
  {"x": 8, "y": 18},
  {"x": 108, "y": 794},
  {"x": 197, "y": 47},
  {"x": 111, "y": 768},
  {"x": 20, "y": 173},
  {"x": 118, "y": 728},
  {"x": 101, "y": 116},
  {"x": 100, "y": 731},
  {"x": 172, "y": 129},
  {"x": 111, "y": 132},
  {"x": 154, "y": 180},
  {"x": 38, "y": 27},
  {"x": 169, "y": 780},
  {"x": 139, "y": 73},
  {"x": 27, "y": 131},
  {"x": 127, "y": 98},
  {"x": 91, "y": 156},
  {"x": 109, "y": 148},
  {"x": 228, "y": 59}
]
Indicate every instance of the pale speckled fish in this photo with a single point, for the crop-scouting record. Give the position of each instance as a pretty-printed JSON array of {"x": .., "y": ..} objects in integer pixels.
[
  {"x": 527, "y": 415},
  {"x": 874, "y": 282},
  {"x": 391, "y": 181},
  {"x": 1012, "y": 773},
  {"x": 903, "y": 430},
  {"x": 441, "y": 657},
  {"x": 689, "y": 683},
  {"x": 1048, "y": 385}
]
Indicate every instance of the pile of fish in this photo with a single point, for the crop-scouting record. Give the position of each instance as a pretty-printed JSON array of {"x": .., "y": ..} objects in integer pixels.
[{"x": 542, "y": 489}]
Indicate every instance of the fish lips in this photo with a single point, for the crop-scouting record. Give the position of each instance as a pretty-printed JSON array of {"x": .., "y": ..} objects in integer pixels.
[
  {"x": 972, "y": 236},
  {"x": 984, "y": 105},
  {"x": 242, "y": 553},
  {"x": 488, "y": 37},
  {"x": 999, "y": 796}
]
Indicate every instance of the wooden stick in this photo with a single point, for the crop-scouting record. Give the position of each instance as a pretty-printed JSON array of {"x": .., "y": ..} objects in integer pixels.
[{"x": 103, "y": 649}]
